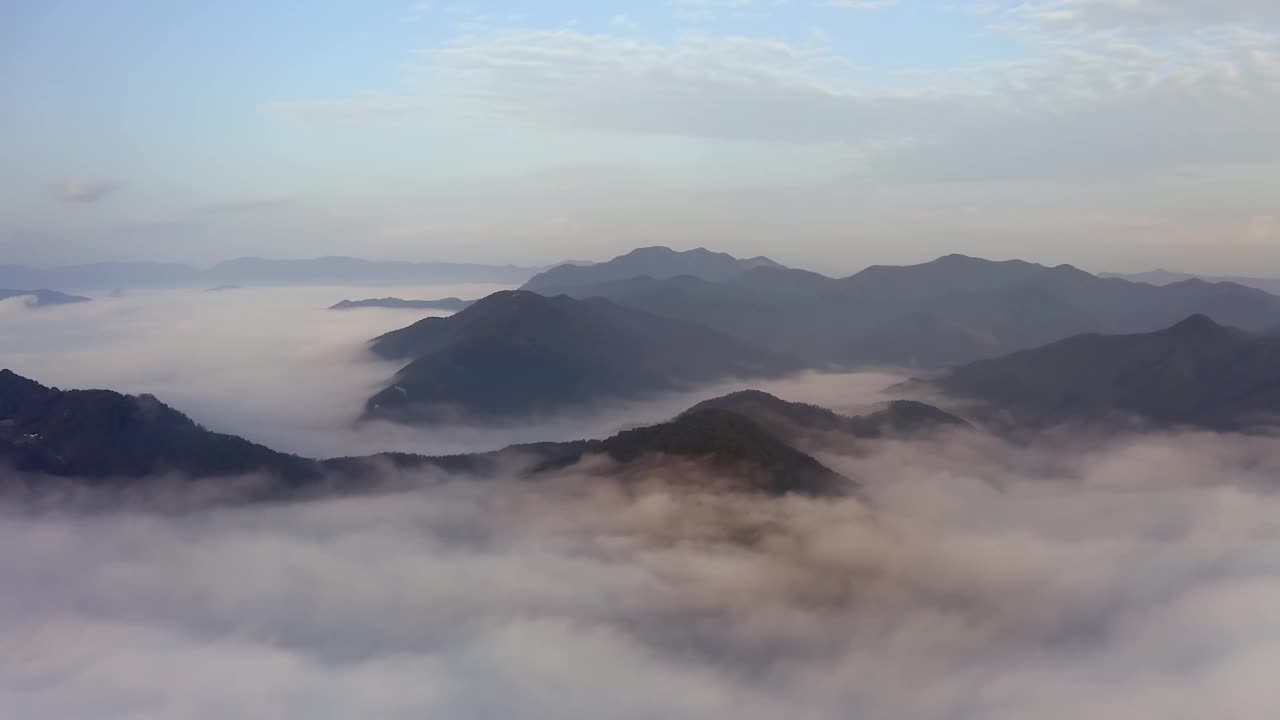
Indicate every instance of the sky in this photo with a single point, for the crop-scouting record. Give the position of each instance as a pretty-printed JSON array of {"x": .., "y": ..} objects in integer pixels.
[{"x": 829, "y": 134}]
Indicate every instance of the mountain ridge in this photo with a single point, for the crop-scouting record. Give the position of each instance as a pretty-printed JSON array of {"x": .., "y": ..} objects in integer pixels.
[
  {"x": 112, "y": 439},
  {"x": 658, "y": 262},
  {"x": 1195, "y": 373},
  {"x": 950, "y": 311}
]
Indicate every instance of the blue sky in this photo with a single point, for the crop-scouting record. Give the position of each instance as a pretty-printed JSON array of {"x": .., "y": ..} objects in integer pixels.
[{"x": 834, "y": 134}]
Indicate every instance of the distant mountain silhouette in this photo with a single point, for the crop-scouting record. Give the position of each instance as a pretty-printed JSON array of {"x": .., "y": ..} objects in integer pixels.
[
  {"x": 44, "y": 298},
  {"x": 103, "y": 434},
  {"x": 109, "y": 438},
  {"x": 1196, "y": 373},
  {"x": 1164, "y": 277},
  {"x": 250, "y": 272},
  {"x": 518, "y": 353},
  {"x": 655, "y": 262},
  {"x": 950, "y": 311},
  {"x": 450, "y": 303}
]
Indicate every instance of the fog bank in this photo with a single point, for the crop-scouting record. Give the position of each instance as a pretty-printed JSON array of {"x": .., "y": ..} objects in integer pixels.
[{"x": 978, "y": 582}]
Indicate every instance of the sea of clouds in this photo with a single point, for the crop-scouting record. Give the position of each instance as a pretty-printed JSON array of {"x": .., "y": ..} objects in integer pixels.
[{"x": 1119, "y": 579}]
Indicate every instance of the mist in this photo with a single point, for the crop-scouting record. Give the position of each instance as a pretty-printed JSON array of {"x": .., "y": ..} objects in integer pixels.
[
  {"x": 973, "y": 580},
  {"x": 274, "y": 365}
]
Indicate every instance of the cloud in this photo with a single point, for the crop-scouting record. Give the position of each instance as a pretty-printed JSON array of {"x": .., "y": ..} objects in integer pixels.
[
  {"x": 83, "y": 190},
  {"x": 981, "y": 582},
  {"x": 1155, "y": 14},
  {"x": 1078, "y": 112}
]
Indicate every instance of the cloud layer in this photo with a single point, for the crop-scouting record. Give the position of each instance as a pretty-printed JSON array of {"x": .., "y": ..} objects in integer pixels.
[
  {"x": 972, "y": 580},
  {"x": 981, "y": 582}
]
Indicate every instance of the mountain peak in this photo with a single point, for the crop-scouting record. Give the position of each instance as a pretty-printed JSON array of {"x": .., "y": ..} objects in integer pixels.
[
  {"x": 650, "y": 250},
  {"x": 658, "y": 262},
  {"x": 1198, "y": 324}
]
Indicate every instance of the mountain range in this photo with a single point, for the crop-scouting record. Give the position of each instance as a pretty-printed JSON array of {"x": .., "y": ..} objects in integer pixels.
[
  {"x": 252, "y": 271},
  {"x": 451, "y": 304},
  {"x": 950, "y": 311},
  {"x": 1196, "y": 373},
  {"x": 1165, "y": 277},
  {"x": 44, "y": 298},
  {"x": 108, "y": 438},
  {"x": 518, "y": 354}
]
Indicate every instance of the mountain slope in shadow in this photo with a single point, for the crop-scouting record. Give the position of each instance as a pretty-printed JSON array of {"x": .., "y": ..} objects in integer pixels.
[
  {"x": 1196, "y": 373},
  {"x": 102, "y": 434},
  {"x": 518, "y": 354},
  {"x": 109, "y": 439}
]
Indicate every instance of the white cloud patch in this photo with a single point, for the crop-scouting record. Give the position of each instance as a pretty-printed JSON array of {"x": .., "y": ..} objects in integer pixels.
[{"x": 1079, "y": 111}]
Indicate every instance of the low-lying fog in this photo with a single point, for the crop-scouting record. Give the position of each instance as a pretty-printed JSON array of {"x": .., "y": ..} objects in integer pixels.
[
  {"x": 980, "y": 582},
  {"x": 276, "y": 366},
  {"x": 1133, "y": 580}
]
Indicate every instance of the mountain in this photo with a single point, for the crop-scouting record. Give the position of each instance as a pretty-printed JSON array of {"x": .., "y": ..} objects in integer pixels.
[
  {"x": 43, "y": 298},
  {"x": 109, "y": 438},
  {"x": 655, "y": 262},
  {"x": 518, "y": 353},
  {"x": 742, "y": 454},
  {"x": 1196, "y": 373},
  {"x": 450, "y": 303},
  {"x": 950, "y": 311},
  {"x": 1164, "y": 277},
  {"x": 793, "y": 421},
  {"x": 733, "y": 444},
  {"x": 103, "y": 434},
  {"x": 258, "y": 272}
]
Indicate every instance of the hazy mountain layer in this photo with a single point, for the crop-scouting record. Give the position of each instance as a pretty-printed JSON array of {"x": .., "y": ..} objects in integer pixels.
[
  {"x": 656, "y": 262},
  {"x": 1164, "y": 277},
  {"x": 44, "y": 298},
  {"x": 950, "y": 311},
  {"x": 450, "y": 303}
]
